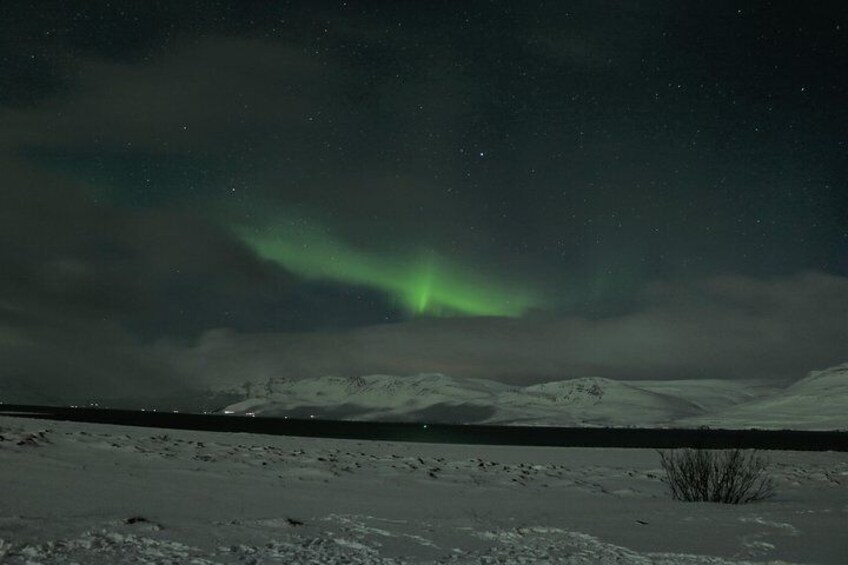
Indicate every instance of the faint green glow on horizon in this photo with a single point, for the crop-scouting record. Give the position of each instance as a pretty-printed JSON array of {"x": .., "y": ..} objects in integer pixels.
[{"x": 423, "y": 283}]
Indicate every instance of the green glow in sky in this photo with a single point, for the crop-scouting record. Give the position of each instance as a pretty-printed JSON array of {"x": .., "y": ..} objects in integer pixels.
[{"x": 422, "y": 282}]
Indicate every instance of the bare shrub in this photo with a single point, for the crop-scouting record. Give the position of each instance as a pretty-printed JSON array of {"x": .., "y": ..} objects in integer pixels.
[{"x": 729, "y": 476}]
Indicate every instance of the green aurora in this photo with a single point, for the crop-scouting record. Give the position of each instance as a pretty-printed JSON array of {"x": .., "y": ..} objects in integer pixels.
[{"x": 422, "y": 283}]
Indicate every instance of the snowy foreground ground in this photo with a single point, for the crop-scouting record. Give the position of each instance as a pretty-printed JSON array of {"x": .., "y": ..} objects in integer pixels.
[{"x": 83, "y": 493}]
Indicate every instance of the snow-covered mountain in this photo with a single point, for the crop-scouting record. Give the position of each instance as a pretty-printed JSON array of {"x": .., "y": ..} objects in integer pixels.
[
  {"x": 815, "y": 402},
  {"x": 818, "y": 401},
  {"x": 432, "y": 397},
  {"x": 589, "y": 401}
]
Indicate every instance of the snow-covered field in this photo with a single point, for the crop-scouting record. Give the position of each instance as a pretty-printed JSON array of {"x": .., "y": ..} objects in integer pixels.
[
  {"x": 85, "y": 493},
  {"x": 816, "y": 402}
]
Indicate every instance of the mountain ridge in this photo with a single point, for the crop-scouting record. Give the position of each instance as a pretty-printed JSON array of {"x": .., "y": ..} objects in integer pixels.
[{"x": 813, "y": 402}]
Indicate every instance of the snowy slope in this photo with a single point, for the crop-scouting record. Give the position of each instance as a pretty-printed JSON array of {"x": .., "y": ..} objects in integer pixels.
[
  {"x": 372, "y": 397},
  {"x": 819, "y": 401},
  {"x": 103, "y": 494},
  {"x": 710, "y": 395},
  {"x": 435, "y": 397},
  {"x": 816, "y": 402},
  {"x": 589, "y": 401}
]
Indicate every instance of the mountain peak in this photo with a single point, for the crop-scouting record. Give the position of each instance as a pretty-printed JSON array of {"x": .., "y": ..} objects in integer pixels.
[{"x": 814, "y": 402}]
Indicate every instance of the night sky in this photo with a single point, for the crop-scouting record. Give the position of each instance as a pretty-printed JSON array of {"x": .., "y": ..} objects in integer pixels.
[{"x": 526, "y": 191}]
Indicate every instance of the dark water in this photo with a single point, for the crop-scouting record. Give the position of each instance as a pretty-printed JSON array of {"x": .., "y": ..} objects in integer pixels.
[{"x": 450, "y": 433}]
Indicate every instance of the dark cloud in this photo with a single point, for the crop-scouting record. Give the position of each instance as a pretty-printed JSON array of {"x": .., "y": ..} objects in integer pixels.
[
  {"x": 85, "y": 285},
  {"x": 73, "y": 361},
  {"x": 64, "y": 249},
  {"x": 725, "y": 327}
]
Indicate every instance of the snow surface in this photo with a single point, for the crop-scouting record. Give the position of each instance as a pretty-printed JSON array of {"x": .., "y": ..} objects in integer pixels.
[
  {"x": 87, "y": 493},
  {"x": 816, "y": 402}
]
